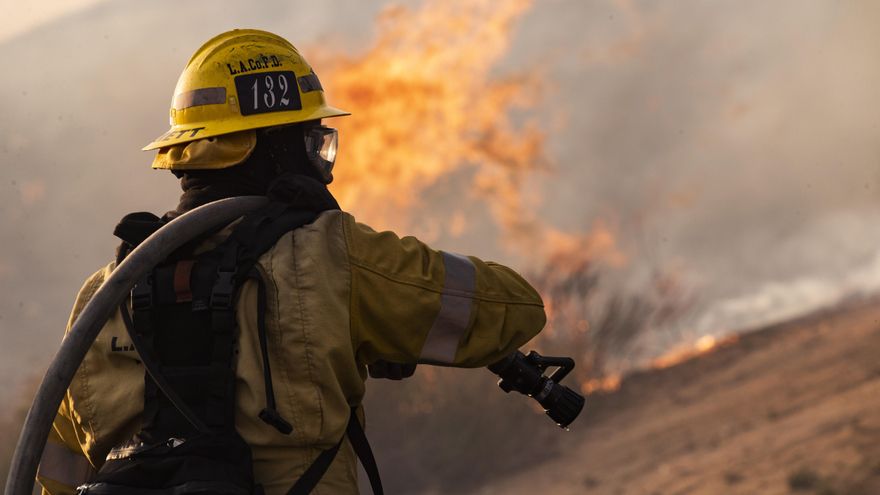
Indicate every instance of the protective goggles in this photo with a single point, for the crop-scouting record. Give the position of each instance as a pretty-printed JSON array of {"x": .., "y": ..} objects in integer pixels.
[{"x": 321, "y": 144}]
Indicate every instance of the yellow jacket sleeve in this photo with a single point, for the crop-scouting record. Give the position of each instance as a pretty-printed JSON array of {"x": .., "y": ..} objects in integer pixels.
[
  {"x": 64, "y": 465},
  {"x": 410, "y": 303}
]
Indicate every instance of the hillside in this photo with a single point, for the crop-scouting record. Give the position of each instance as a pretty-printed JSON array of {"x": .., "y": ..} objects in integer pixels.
[
  {"x": 792, "y": 405},
  {"x": 792, "y": 408}
]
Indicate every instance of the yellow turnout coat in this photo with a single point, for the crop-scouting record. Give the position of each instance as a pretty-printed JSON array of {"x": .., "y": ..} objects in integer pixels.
[{"x": 339, "y": 296}]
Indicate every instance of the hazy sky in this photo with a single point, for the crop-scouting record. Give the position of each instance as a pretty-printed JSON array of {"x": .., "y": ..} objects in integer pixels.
[{"x": 20, "y": 17}]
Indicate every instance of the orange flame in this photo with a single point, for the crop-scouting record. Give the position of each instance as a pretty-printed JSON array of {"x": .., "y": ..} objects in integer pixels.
[
  {"x": 704, "y": 345},
  {"x": 431, "y": 116},
  {"x": 424, "y": 105},
  {"x": 428, "y": 112},
  {"x": 605, "y": 384}
]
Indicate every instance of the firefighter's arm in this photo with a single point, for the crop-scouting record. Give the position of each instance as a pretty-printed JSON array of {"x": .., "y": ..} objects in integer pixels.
[
  {"x": 411, "y": 303},
  {"x": 63, "y": 465}
]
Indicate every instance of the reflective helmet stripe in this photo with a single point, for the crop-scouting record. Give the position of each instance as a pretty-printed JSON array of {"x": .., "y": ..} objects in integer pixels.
[
  {"x": 241, "y": 80},
  {"x": 196, "y": 97}
]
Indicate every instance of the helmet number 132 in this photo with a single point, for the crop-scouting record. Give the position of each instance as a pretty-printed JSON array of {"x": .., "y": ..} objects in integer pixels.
[{"x": 267, "y": 92}]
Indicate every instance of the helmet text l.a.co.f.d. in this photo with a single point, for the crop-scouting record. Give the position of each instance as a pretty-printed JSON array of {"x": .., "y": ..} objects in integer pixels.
[{"x": 240, "y": 80}]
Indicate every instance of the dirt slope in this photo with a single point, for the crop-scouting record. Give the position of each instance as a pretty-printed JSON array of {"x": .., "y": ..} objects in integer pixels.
[{"x": 793, "y": 408}]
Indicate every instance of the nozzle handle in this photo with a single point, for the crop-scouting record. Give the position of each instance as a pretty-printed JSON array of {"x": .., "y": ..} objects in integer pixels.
[{"x": 525, "y": 374}]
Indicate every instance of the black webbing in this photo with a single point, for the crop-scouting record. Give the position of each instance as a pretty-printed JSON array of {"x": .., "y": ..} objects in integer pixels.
[
  {"x": 355, "y": 433},
  {"x": 309, "y": 479},
  {"x": 361, "y": 446},
  {"x": 152, "y": 367},
  {"x": 255, "y": 243},
  {"x": 256, "y": 234},
  {"x": 269, "y": 414},
  {"x": 221, "y": 393},
  {"x": 134, "y": 228},
  {"x": 158, "y": 378}
]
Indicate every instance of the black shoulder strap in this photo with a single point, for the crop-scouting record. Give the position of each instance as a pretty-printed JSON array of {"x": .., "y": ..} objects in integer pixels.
[
  {"x": 134, "y": 228},
  {"x": 152, "y": 367},
  {"x": 236, "y": 257},
  {"x": 254, "y": 235},
  {"x": 257, "y": 237},
  {"x": 261, "y": 232}
]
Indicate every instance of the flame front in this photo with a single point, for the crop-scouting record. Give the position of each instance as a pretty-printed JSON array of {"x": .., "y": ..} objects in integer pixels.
[
  {"x": 424, "y": 104},
  {"x": 427, "y": 108},
  {"x": 430, "y": 113},
  {"x": 703, "y": 345},
  {"x": 608, "y": 383}
]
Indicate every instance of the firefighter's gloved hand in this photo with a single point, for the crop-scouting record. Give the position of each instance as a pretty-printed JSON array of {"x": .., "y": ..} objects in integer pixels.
[{"x": 391, "y": 371}]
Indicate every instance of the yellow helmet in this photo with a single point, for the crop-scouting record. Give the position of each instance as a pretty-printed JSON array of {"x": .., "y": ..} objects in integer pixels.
[{"x": 239, "y": 80}]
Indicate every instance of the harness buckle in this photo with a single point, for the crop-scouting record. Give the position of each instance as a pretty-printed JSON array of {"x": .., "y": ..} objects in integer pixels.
[
  {"x": 142, "y": 294},
  {"x": 224, "y": 287}
]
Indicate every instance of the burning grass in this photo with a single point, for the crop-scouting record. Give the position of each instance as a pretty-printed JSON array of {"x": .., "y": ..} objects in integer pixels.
[
  {"x": 703, "y": 345},
  {"x": 430, "y": 111}
]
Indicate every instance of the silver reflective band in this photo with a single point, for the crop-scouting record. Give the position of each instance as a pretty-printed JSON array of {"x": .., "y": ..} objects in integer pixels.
[
  {"x": 455, "y": 310},
  {"x": 64, "y": 466},
  {"x": 198, "y": 97}
]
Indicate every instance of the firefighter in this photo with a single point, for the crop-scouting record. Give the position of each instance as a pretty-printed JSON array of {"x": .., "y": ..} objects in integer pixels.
[{"x": 325, "y": 300}]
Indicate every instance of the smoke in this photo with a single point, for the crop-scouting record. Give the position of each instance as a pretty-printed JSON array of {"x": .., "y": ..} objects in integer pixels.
[
  {"x": 729, "y": 146},
  {"x": 736, "y": 150}
]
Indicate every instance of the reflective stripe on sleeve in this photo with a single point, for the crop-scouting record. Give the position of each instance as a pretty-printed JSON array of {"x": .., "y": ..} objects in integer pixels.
[
  {"x": 64, "y": 466},
  {"x": 455, "y": 310}
]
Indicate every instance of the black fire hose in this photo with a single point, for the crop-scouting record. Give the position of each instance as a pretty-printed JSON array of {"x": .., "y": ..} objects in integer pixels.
[{"x": 85, "y": 329}]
